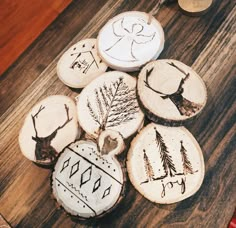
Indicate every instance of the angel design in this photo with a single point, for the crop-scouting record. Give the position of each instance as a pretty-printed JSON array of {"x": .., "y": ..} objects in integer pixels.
[{"x": 123, "y": 49}]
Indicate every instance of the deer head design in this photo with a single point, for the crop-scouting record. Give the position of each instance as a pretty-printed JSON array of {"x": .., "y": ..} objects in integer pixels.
[{"x": 44, "y": 152}]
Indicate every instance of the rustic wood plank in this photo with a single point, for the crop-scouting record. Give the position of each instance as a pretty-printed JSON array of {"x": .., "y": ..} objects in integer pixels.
[{"x": 207, "y": 44}]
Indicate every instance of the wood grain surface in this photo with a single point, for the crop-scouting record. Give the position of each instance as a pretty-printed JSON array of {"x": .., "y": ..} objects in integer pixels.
[
  {"x": 206, "y": 43},
  {"x": 21, "y": 22}
]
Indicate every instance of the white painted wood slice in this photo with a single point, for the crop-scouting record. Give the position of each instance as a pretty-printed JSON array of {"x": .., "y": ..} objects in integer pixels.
[
  {"x": 88, "y": 182},
  {"x": 48, "y": 128},
  {"x": 170, "y": 90},
  {"x": 110, "y": 102},
  {"x": 195, "y": 7},
  {"x": 80, "y": 64},
  {"x": 127, "y": 41},
  {"x": 165, "y": 164}
]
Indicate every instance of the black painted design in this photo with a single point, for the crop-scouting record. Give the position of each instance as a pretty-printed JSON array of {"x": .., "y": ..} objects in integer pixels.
[
  {"x": 84, "y": 60},
  {"x": 99, "y": 155},
  {"x": 97, "y": 184},
  {"x": 126, "y": 39},
  {"x": 183, "y": 105},
  {"x": 65, "y": 164},
  {"x": 107, "y": 192},
  {"x": 116, "y": 105},
  {"x": 86, "y": 176},
  {"x": 77, "y": 190},
  {"x": 44, "y": 152},
  {"x": 168, "y": 166},
  {"x": 74, "y": 169}
]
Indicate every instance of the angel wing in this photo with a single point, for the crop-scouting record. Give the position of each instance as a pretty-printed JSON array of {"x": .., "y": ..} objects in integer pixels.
[
  {"x": 142, "y": 39},
  {"x": 118, "y": 28}
]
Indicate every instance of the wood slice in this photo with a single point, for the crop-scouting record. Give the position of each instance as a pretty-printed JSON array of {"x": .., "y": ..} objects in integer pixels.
[
  {"x": 48, "y": 128},
  {"x": 110, "y": 102},
  {"x": 127, "y": 41},
  {"x": 170, "y": 90},
  {"x": 165, "y": 164},
  {"x": 195, "y": 7},
  {"x": 80, "y": 64},
  {"x": 88, "y": 182}
]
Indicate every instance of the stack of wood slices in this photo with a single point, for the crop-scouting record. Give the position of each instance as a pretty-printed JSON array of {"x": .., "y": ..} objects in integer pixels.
[{"x": 164, "y": 162}]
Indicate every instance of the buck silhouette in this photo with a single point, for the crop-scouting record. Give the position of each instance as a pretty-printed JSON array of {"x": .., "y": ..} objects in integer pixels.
[
  {"x": 44, "y": 151},
  {"x": 184, "y": 106}
]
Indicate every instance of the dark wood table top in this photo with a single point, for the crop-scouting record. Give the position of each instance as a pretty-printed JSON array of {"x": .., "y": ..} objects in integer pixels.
[{"x": 206, "y": 43}]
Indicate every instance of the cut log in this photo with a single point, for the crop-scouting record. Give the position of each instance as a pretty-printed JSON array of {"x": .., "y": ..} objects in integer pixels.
[
  {"x": 110, "y": 102},
  {"x": 128, "y": 41},
  {"x": 195, "y": 7},
  {"x": 165, "y": 164},
  {"x": 80, "y": 64},
  {"x": 171, "y": 91},
  {"x": 48, "y": 128},
  {"x": 89, "y": 182}
]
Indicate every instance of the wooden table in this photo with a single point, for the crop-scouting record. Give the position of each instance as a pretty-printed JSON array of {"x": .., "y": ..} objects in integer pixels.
[{"x": 206, "y": 43}]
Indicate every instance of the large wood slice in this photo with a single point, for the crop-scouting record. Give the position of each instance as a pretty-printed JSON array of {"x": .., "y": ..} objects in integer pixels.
[
  {"x": 128, "y": 41},
  {"x": 195, "y": 7},
  {"x": 48, "y": 128},
  {"x": 80, "y": 64},
  {"x": 88, "y": 181},
  {"x": 110, "y": 102},
  {"x": 170, "y": 90},
  {"x": 165, "y": 164}
]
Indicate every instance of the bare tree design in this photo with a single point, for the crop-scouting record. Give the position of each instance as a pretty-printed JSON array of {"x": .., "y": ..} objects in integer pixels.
[
  {"x": 43, "y": 149},
  {"x": 187, "y": 166},
  {"x": 184, "y": 106},
  {"x": 166, "y": 158},
  {"x": 115, "y": 104}
]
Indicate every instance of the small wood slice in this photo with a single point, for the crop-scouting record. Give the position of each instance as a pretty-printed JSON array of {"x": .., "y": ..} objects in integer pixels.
[
  {"x": 48, "y": 128},
  {"x": 110, "y": 102},
  {"x": 195, "y": 7},
  {"x": 88, "y": 182},
  {"x": 127, "y": 41},
  {"x": 80, "y": 64},
  {"x": 165, "y": 164},
  {"x": 170, "y": 90}
]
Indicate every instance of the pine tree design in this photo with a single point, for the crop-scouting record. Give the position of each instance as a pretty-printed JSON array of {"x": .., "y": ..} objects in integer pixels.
[
  {"x": 166, "y": 158},
  {"x": 148, "y": 167},
  {"x": 115, "y": 104},
  {"x": 187, "y": 166}
]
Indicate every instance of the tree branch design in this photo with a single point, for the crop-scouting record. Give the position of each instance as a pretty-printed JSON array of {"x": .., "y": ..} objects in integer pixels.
[
  {"x": 115, "y": 104},
  {"x": 187, "y": 166}
]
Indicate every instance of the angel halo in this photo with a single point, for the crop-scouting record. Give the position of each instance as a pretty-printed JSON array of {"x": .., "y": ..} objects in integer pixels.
[{"x": 132, "y": 41}]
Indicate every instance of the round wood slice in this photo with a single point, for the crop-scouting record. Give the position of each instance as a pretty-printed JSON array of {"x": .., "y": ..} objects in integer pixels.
[
  {"x": 165, "y": 164},
  {"x": 195, "y": 7},
  {"x": 80, "y": 64},
  {"x": 110, "y": 102},
  {"x": 48, "y": 128},
  {"x": 127, "y": 41},
  {"x": 170, "y": 90},
  {"x": 88, "y": 181}
]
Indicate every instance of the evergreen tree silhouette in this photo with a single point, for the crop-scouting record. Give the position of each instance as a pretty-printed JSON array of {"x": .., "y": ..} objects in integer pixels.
[
  {"x": 187, "y": 166},
  {"x": 166, "y": 158},
  {"x": 148, "y": 167}
]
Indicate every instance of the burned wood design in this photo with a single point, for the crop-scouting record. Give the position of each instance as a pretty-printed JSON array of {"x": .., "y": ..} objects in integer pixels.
[
  {"x": 183, "y": 105},
  {"x": 168, "y": 166},
  {"x": 43, "y": 149},
  {"x": 84, "y": 60},
  {"x": 126, "y": 39},
  {"x": 116, "y": 104}
]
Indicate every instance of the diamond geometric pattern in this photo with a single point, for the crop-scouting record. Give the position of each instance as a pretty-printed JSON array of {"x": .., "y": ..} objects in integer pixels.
[
  {"x": 74, "y": 169},
  {"x": 65, "y": 164},
  {"x": 97, "y": 184},
  {"x": 106, "y": 192},
  {"x": 86, "y": 176}
]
